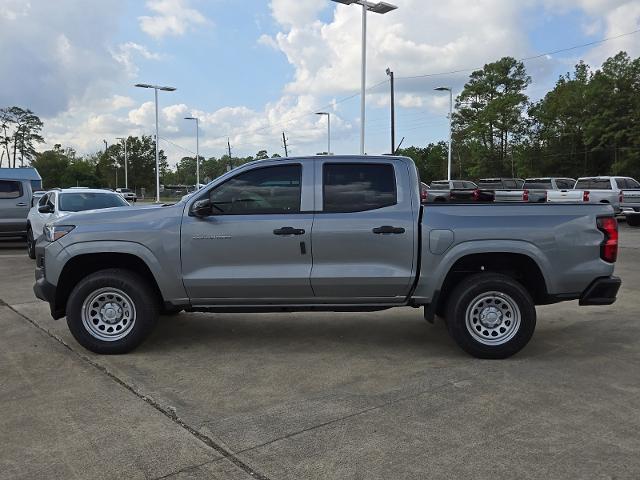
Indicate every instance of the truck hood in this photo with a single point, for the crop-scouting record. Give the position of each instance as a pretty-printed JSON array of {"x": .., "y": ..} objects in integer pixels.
[{"x": 118, "y": 216}]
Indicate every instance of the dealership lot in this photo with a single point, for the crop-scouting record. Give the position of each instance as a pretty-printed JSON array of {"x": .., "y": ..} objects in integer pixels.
[{"x": 323, "y": 395}]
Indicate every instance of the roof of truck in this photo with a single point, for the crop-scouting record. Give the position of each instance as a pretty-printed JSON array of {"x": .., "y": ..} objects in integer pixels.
[{"x": 27, "y": 173}]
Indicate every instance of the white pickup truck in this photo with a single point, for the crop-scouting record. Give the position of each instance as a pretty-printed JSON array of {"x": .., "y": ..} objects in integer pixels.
[{"x": 623, "y": 193}]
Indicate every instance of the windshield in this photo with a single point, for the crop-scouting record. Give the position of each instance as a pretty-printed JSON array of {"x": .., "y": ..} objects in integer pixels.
[
  {"x": 77, "y": 202},
  {"x": 538, "y": 183}
]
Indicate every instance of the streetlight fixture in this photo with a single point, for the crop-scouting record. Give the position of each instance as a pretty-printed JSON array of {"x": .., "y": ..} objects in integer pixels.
[
  {"x": 197, "y": 150},
  {"x": 448, "y": 89},
  {"x": 328, "y": 130},
  {"x": 381, "y": 8},
  {"x": 126, "y": 178},
  {"x": 164, "y": 89}
]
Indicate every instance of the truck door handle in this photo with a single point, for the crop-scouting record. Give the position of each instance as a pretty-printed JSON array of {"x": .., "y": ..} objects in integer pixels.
[
  {"x": 288, "y": 231},
  {"x": 388, "y": 229},
  {"x": 21, "y": 204}
]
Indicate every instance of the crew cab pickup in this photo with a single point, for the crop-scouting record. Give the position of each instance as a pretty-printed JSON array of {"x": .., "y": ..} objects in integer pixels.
[
  {"x": 623, "y": 193},
  {"x": 330, "y": 233},
  {"x": 456, "y": 191}
]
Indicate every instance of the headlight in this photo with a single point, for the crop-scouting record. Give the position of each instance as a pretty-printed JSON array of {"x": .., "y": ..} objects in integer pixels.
[{"x": 56, "y": 232}]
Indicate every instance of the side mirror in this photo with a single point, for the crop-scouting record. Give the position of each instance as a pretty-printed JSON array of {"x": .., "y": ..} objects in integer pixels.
[
  {"x": 201, "y": 208},
  {"x": 45, "y": 209}
]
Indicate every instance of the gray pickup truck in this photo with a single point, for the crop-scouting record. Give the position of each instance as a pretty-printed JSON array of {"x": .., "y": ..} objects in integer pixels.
[{"x": 343, "y": 233}]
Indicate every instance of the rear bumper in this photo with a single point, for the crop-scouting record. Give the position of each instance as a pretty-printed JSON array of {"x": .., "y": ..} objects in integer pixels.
[{"x": 602, "y": 291}]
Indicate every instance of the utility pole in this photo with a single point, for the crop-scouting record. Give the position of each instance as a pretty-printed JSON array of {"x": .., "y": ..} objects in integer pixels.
[
  {"x": 284, "y": 143},
  {"x": 393, "y": 113},
  {"x": 229, "y": 147}
]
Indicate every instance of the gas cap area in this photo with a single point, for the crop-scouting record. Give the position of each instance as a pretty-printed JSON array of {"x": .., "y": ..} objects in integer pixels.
[{"x": 440, "y": 241}]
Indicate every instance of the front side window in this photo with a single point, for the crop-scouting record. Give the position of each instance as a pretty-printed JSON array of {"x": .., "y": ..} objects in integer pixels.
[
  {"x": 267, "y": 190},
  {"x": 357, "y": 187},
  {"x": 78, "y": 202},
  {"x": 10, "y": 189}
]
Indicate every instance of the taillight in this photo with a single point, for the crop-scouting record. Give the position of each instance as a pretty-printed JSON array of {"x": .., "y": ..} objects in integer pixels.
[
  {"x": 546, "y": 196},
  {"x": 609, "y": 246},
  {"x": 476, "y": 195},
  {"x": 525, "y": 196},
  {"x": 423, "y": 195},
  {"x": 621, "y": 197},
  {"x": 585, "y": 196}
]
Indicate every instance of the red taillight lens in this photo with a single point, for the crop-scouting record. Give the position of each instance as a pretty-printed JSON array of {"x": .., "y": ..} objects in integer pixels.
[
  {"x": 621, "y": 197},
  {"x": 423, "y": 196},
  {"x": 609, "y": 246},
  {"x": 546, "y": 196},
  {"x": 476, "y": 195},
  {"x": 585, "y": 196},
  {"x": 525, "y": 196}
]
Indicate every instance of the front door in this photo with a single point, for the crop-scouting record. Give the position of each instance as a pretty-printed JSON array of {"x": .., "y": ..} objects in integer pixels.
[
  {"x": 255, "y": 247},
  {"x": 364, "y": 238}
]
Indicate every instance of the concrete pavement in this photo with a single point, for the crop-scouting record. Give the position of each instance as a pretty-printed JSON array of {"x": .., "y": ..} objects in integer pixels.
[{"x": 322, "y": 395}]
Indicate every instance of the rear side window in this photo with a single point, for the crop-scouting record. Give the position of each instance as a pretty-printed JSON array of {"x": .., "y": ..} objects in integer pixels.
[
  {"x": 458, "y": 184},
  {"x": 357, "y": 187},
  {"x": 490, "y": 184},
  {"x": 10, "y": 189}
]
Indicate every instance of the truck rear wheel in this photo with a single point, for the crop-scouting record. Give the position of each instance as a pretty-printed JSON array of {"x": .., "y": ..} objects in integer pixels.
[
  {"x": 490, "y": 315},
  {"x": 111, "y": 311}
]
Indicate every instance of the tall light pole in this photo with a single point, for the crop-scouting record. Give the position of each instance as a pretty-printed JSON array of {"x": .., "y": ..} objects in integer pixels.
[
  {"x": 197, "y": 150},
  {"x": 126, "y": 177},
  {"x": 382, "y": 8},
  {"x": 448, "y": 89},
  {"x": 328, "y": 130},
  {"x": 393, "y": 113},
  {"x": 164, "y": 89}
]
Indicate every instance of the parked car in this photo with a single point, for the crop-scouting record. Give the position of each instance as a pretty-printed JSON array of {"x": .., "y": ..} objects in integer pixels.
[
  {"x": 539, "y": 189},
  {"x": 16, "y": 191},
  {"x": 128, "y": 194},
  {"x": 243, "y": 243},
  {"x": 456, "y": 191},
  {"x": 619, "y": 192},
  {"x": 504, "y": 189},
  {"x": 59, "y": 203}
]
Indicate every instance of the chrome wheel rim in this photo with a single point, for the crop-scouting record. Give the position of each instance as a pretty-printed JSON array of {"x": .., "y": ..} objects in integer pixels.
[
  {"x": 493, "y": 318},
  {"x": 108, "y": 314}
]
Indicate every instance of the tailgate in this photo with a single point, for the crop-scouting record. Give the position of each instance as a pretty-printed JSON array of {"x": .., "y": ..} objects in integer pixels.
[
  {"x": 565, "y": 196},
  {"x": 631, "y": 198}
]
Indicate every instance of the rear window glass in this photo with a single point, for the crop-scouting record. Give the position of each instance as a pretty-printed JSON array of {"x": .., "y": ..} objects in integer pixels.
[
  {"x": 631, "y": 183},
  {"x": 538, "y": 183},
  {"x": 358, "y": 187},
  {"x": 10, "y": 189},
  {"x": 78, "y": 202},
  {"x": 440, "y": 185},
  {"x": 600, "y": 184},
  {"x": 489, "y": 184}
]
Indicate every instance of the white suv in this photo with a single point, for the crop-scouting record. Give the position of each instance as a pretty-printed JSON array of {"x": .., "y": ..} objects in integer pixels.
[
  {"x": 128, "y": 194},
  {"x": 60, "y": 202}
]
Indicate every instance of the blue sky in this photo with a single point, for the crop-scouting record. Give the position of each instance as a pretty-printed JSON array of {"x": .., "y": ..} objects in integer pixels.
[{"x": 252, "y": 69}]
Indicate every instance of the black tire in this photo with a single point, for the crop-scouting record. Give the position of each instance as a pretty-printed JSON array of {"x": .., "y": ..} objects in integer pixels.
[
  {"x": 145, "y": 304},
  {"x": 510, "y": 309},
  {"x": 31, "y": 244},
  {"x": 633, "y": 219}
]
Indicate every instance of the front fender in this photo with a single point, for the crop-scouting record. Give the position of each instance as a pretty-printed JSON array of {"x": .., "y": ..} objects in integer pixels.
[{"x": 166, "y": 272}]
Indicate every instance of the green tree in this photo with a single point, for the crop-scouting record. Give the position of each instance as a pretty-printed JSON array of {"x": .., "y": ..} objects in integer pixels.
[
  {"x": 52, "y": 166},
  {"x": 489, "y": 116},
  {"x": 21, "y": 131}
]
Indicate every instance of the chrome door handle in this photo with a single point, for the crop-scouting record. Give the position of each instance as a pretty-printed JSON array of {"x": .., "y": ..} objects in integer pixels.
[
  {"x": 21, "y": 204},
  {"x": 288, "y": 231},
  {"x": 388, "y": 229}
]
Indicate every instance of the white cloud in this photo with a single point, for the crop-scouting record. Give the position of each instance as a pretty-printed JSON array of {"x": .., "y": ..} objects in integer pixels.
[
  {"x": 172, "y": 17},
  {"x": 126, "y": 52},
  {"x": 14, "y": 9},
  {"x": 298, "y": 13}
]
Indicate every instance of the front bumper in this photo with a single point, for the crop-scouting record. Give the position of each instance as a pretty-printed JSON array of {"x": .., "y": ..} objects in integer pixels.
[
  {"x": 602, "y": 291},
  {"x": 43, "y": 289}
]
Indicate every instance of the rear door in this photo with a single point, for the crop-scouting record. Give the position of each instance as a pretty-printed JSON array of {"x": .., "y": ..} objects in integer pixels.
[
  {"x": 256, "y": 245},
  {"x": 364, "y": 233},
  {"x": 15, "y": 198}
]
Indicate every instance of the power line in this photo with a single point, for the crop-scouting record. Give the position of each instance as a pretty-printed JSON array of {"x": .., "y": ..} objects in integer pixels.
[{"x": 526, "y": 59}]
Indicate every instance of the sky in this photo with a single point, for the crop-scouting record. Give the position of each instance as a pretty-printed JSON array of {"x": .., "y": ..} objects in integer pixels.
[{"x": 251, "y": 69}]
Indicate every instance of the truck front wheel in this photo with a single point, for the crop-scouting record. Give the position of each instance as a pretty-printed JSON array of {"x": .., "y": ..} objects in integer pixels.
[
  {"x": 111, "y": 311},
  {"x": 491, "y": 315}
]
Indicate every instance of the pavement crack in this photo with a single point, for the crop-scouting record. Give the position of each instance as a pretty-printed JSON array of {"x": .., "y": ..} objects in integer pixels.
[
  {"x": 186, "y": 469},
  {"x": 171, "y": 415},
  {"x": 355, "y": 414}
]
